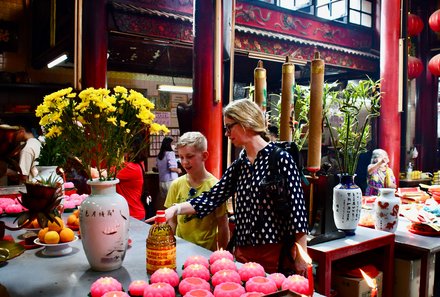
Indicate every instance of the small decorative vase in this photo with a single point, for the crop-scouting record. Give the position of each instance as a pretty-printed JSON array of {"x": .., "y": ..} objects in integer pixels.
[
  {"x": 386, "y": 210},
  {"x": 103, "y": 223},
  {"x": 347, "y": 204},
  {"x": 45, "y": 172}
]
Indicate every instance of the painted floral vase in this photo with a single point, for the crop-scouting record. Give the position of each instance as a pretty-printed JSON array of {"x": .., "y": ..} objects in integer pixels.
[
  {"x": 104, "y": 222},
  {"x": 386, "y": 210},
  {"x": 347, "y": 204}
]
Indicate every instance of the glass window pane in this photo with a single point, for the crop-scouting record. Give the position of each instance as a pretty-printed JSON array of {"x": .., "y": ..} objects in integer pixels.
[
  {"x": 367, "y": 6},
  {"x": 322, "y": 2},
  {"x": 338, "y": 9},
  {"x": 366, "y": 20},
  {"x": 355, "y": 17},
  {"x": 286, "y": 4},
  {"x": 323, "y": 12},
  {"x": 355, "y": 4},
  {"x": 301, "y": 3}
]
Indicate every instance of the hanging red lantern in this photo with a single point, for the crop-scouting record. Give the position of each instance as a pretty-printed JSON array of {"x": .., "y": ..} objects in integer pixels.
[
  {"x": 434, "y": 65},
  {"x": 415, "y": 67},
  {"x": 414, "y": 25},
  {"x": 434, "y": 21}
]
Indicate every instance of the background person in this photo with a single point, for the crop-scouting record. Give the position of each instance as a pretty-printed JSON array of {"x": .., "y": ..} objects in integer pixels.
[
  {"x": 261, "y": 232},
  {"x": 379, "y": 174},
  {"x": 167, "y": 166},
  {"x": 212, "y": 231}
]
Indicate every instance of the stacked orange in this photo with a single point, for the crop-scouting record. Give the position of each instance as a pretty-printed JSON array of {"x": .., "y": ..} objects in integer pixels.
[
  {"x": 73, "y": 220},
  {"x": 56, "y": 232}
]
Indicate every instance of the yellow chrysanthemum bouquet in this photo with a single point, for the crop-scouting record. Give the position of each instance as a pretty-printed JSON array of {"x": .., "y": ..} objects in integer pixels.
[{"x": 99, "y": 126}]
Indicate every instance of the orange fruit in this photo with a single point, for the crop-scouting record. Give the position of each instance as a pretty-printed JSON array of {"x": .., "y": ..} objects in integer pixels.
[
  {"x": 51, "y": 237},
  {"x": 77, "y": 222},
  {"x": 67, "y": 235},
  {"x": 71, "y": 219},
  {"x": 54, "y": 226},
  {"x": 42, "y": 233},
  {"x": 35, "y": 223},
  {"x": 76, "y": 212}
]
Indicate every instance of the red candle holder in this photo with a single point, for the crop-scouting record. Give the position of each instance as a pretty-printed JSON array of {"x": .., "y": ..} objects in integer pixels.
[
  {"x": 103, "y": 285},
  {"x": 296, "y": 283},
  {"x": 137, "y": 287},
  {"x": 229, "y": 289},
  {"x": 222, "y": 264},
  {"x": 159, "y": 289},
  {"x": 225, "y": 275},
  {"x": 261, "y": 284},
  {"x": 196, "y": 260},
  {"x": 192, "y": 283},
  {"x": 220, "y": 254},
  {"x": 251, "y": 269},
  {"x": 116, "y": 294},
  {"x": 252, "y": 294},
  {"x": 196, "y": 270},
  {"x": 278, "y": 278},
  {"x": 165, "y": 275},
  {"x": 199, "y": 293}
]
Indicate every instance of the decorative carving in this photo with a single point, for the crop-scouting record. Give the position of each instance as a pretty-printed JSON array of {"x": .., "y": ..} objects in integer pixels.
[
  {"x": 250, "y": 15},
  {"x": 290, "y": 23},
  {"x": 329, "y": 33}
]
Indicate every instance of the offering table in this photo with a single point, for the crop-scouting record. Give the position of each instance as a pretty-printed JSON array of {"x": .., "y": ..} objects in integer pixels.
[{"x": 33, "y": 274}]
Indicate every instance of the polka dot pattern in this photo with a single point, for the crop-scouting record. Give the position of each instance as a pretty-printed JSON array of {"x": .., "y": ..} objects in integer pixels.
[{"x": 256, "y": 220}]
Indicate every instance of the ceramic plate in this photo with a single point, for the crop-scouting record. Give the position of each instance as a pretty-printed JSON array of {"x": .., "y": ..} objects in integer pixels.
[
  {"x": 424, "y": 233},
  {"x": 59, "y": 249}
]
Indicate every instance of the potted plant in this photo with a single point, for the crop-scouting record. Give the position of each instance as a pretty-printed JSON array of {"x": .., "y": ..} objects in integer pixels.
[{"x": 354, "y": 107}]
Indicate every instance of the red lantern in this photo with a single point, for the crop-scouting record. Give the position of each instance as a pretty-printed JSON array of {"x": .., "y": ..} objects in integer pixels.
[
  {"x": 415, "y": 67},
  {"x": 434, "y": 65},
  {"x": 434, "y": 21},
  {"x": 414, "y": 24}
]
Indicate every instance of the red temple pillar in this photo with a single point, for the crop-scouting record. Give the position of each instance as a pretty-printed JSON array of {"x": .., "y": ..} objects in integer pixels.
[
  {"x": 94, "y": 44},
  {"x": 207, "y": 112},
  {"x": 389, "y": 121}
]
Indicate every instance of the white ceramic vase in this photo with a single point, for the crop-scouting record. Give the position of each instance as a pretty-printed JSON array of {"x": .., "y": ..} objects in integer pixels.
[
  {"x": 104, "y": 222},
  {"x": 347, "y": 204},
  {"x": 386, "y": 210},
  {"x": 44, "y": 172}
]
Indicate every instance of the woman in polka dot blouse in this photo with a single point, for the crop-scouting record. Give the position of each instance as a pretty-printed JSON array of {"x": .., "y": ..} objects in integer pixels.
[{"x": 260, "y": 230}]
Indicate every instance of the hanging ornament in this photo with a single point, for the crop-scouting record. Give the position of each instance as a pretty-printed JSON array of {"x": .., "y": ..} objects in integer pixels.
[
  {"x": 414, "y": 24},
  {"x": 434, "y": 21},
  {"x": 434, "y": 65},
  {"x": 415, "y": 67}
]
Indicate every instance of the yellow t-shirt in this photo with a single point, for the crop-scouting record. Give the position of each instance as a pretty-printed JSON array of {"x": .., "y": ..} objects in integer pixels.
[{"x": 202, "y": 232}]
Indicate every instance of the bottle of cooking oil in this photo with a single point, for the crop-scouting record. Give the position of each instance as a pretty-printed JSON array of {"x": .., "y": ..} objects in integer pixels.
[{"x": 161, "y": 245}]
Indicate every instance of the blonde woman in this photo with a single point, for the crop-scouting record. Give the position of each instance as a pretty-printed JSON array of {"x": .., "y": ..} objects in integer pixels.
[
  {"x": 263, "y": 234},
  {"x": 379, "y": 174}
]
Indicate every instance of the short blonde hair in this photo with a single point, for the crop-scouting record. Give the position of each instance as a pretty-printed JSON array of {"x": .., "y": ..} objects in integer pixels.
[
  {"x": 246, "y": 113},
  {"x": 194, "y": 139}
]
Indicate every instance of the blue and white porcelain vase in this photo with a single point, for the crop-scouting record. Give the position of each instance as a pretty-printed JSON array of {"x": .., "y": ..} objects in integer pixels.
[
  {"x": 347, "y": 204},
  {"x": 386, "y": 209},
  {"x": 103, "y": 223}
]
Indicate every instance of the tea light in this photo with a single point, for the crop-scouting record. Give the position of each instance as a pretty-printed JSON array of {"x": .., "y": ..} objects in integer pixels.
[
  {"x": 196, "y": 260},
  {"x": 165, "y": 275},
  {"x": 296, "y": 283},
  {"x": 220, "y": 254},
  {"x": 199, "y": 293},
  {"x": 225, "y": 275},
  {"x": 229, "y": 289},
  {"x": 196, "y": 270},
  {"x": 222, "y": 264},
  {"x": 261, "y": 284},
  {"x": 192, "y": 283},
  {"x": 137, "y": 287},
  {"x": 116, "y": 294},
  {"x": 278, "y": 278},
  {"x": 251, "y": 269},
  {"x": 103, "y": 285},
  {"x": 159, "y": 289}
]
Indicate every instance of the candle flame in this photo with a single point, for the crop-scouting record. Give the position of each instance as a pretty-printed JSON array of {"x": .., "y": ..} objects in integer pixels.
[
  {"x": 303, "y": 254},
  {"x": 370, "y": 282}
]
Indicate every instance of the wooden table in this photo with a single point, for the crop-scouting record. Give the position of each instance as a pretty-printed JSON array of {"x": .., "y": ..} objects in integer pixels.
[
  {"x": 424, "y": 246},
  {"x": 365, "y": 240}
]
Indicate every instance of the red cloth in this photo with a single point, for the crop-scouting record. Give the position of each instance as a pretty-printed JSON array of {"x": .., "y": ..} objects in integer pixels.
[{"x": 130, "y": 186}]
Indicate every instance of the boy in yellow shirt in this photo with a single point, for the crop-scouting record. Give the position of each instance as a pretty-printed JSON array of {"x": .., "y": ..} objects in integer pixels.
[{"x": 211, "y": 232}]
